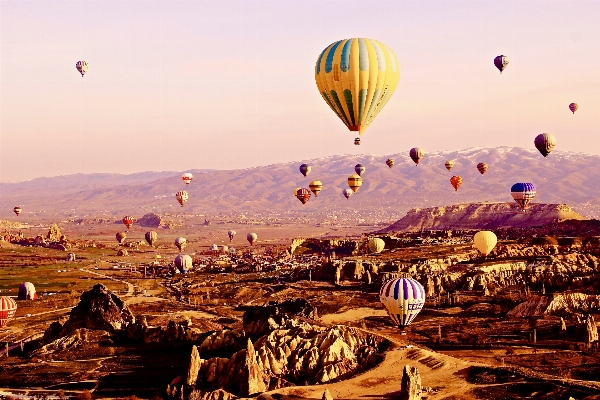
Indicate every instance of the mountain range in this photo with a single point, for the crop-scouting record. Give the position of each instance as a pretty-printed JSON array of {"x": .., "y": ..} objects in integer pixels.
[{"x": 562, "y": 177}]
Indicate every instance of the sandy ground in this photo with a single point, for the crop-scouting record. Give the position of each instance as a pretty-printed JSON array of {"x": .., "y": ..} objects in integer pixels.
[{"x": 352, "y": 315}]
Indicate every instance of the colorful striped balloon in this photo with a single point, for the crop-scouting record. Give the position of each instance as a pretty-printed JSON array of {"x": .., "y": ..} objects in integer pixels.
[
  {"x": 403, "y": 298},
  {"x": 523, "y": 193},
  {"x": 8, "y": 307},
  {"x": 356, "y": 78},
  {"x": 128, "y": 221}
]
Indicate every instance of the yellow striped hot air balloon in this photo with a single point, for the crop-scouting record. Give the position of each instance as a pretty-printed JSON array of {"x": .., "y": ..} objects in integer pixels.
[
  {"x": 356, "y": 78},
  {"x": 316, "y": 187},
  {"x": 355, "y": 182}
]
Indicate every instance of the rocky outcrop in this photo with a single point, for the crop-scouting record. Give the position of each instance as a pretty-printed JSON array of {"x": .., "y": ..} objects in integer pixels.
[
  {"x": 194, "y": 367},
  {"x": 569, "y": 303},
  {"x": 99, "y": 309},
  {"x": 150, "y": 220},
  {"x": 327, "y": 395},
  {"x": 410, "y": 387},
  {"x": 535, "y": 306},
  {"x": 258, "y": 321},
  {"x": 482, "y": 216},
  {"x": 54, "y": 233}
]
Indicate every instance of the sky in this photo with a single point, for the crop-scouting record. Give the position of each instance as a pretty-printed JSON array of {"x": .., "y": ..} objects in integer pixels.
[{"x": 177, "y": 85}]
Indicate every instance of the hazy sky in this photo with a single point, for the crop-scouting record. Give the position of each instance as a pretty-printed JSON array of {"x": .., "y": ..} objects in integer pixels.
[{"x": 175, "y": 85}]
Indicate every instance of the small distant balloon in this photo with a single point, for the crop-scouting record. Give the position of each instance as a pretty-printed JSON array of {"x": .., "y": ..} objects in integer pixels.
[
  {"x": 305, "y": 169},
  {"x": 523, "y": 193},
  {"x": 128, "y": 221},
  {"x": 231, "y": 234},
  {"x": 355, "y": 182},
  {"x": 121, "y": 236},
  {"x": 390, "y": 162},
  {"x": 183, "y": 262},
  {"x": 251, "y": 238},
  {"x": 545, "y": 143},
  {"x": 456, "y": 181},
  {"x": 187, "y": 178},
  {"x": 416, "y": 154},
  {"x": 182, "y": 196},
  {"x": 449, "y": 164},
  {"x": 573, "y": 107},
  {"x": 501, "y": 62},
  {"x": 303, "y": 195},
  {"x": 315, "y": 187},
  {"x": 347, "y": 193},
  {"x": 82, "y": 67},
  {"x": 17, "y": 210},
  {"x": 181, "y": 243},
  {"x": 482, "y": 167},
  {"x": 151, "y": 237},
  {"x": 359, "y": 169}
]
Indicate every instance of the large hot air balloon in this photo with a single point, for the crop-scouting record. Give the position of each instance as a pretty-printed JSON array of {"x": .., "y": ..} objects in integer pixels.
[
  {"x": 27, "y": 291},
  {"x": 17, "y": 210},
  {"x": 573, "y": 107},
  {"x": 485, "y": 241},
  {"x": 182, "y": 196},
  {"x": 82, "y": 67},
  {"x": 305, "y": 169},
  {"x": 121, "y": 237},
  {"x": 523, "y": 193},
  {"x": 403, "y": 298},
  {"x": 449, "y": 164},
  {"x": 355, "y": 182},
  {"x": 456, "y": 181},
  {"x": 303, "y": 195},
  {"x": 390, "y": 162},
  {"x": 183, "y": 262},
  {"x": 187, "y": 178},
  {"x": 151, "y": 237},
  {"x": 128, "y": 221},
  {"x": 347, "y": 193},
  {"x": 8, "y": 307},
  {"x": 376, "y": 245},
  {"x": 251, "y": 238},
  {"x": 416, "y": 154},
  {"x": 501, "y": 62},
  {"x": 356, "y": 78},
  {"x": 315, "y": 187},
  {"x": 482, "y": 167},
  {"x": 181, "y": 243},
  {"x": 231, "y": 234},
  {"x": 359, "y": 169},
  {"x": 545, "y": 142}
]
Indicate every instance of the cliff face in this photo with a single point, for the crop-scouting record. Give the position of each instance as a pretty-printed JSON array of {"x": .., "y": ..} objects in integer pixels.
[{"x": 482, "y": 216}]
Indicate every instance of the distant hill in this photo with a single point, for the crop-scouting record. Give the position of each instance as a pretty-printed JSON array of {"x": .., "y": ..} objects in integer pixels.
[
  {"x": 483, "y": 216},
  {"x": 563, "y": 177}
]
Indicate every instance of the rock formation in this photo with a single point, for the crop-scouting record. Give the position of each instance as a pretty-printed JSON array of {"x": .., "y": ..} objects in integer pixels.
[
  {"x": 327, "y": 395},
  {"x": 54, "y": 233},
  {"x": 259, "y": 321},
  {"x": 410, "y": 387},
  {"x": 150, "y": 220}
]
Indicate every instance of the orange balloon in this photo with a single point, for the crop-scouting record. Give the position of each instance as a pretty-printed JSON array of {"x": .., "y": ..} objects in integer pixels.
[{"x": 456, "y": 181}]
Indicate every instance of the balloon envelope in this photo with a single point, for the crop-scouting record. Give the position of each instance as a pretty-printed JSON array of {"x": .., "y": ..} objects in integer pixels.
[
  {"x": 121, "y": 236},
  {"x": 449, "y": 164},
  {"x": 390, "y": 162},
  {"x": 456, "y": 181},
  {"x": 355, "y": 182},
  {"x": 151, "y": 237},
  {"x": 251, "y": 238},
  {"x": 376, "y": 245},
  {"x": 545, "y": 143},
  {"x": 82, "y": 67},
  {"x": 187, "y": 178},
  {"x": 359, "y": 169},
  {"x": 523, "y": 193},
  {"x": 573, "y": 107},
  {"x": 315, "y": 187},
  {"x": 183, "y": 262},
  {"x": 128, "y": 221},
  {"x": 182, "y": 196},
  {"x": 501, "y": 62},
  {"x": 403, "y": 298},
  {"x": 347, "y": 193},
  {"x": 303, "y": 195},
  {"x": 416, "y": 154},
  {"x": 305, "y": 169},
  {"x": 482, "y": 167},
  {"x": 356, "y": 78},
  {"x": 27, "y": 291},
  {"x": 231, "y": 234},
  {"x": 181, "y": 243},
  {"x": 8, "y": 307},
  {"x": 485, "y": 241}
]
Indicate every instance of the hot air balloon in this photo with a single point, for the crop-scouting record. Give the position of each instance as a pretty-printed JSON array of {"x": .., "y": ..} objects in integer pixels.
[
  {"x": 182, "y": 196},
  {"x": 403, "y": 298},
  {"x": 523, "y": 193},
  {"x": 449, "y": 164},
  {"x": 485, "y": 241},
  {"x": 251, "y": 238},
  {"x": 17, "y": 210},
  {"x": 390, "y": 162},
  {"x": 501, "y": 62},
  {"x": 213, "y": 247},
  {"x": 151, "y": 237},
  {"x": 356, "y": 78},
  {"x": 231, "y": 234},
  {"x": 82, "y": 67},
  {"x": 296, "y": 191},
  {"x": 27, "y": 291},
  {"x": 376, "y": 245},
  {"x": 482, "y": 167},
  {"x": 573, "y": 107},
  {"x": 181, "y": 243},
  {"x": 128, "y": 221},
  {"x": 305, "y": 169},
  {"x": 183, "y": 262},
  {"x": 347, "y": 193},
  {"x": 456, "y": 181},
  {"x": 545, "y": 142},
  {"x": 303, "y": 195},
  {"x": 355, "y": 182},
  {"x": 359, "y": 169},
  {"x": 187, "y": 178},
  {"x": 416, "y": 154},
  {"x": 8, "y": 307},
  {"x": 121, "y": 237},
  {"x": 315, "y": 187},
  {"x": 224, "y": 249}
]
